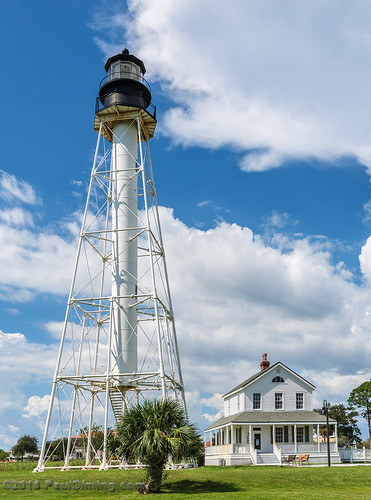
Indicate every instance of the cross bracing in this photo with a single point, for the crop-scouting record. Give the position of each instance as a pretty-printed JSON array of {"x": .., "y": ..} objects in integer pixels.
[{"x": 90, "y": 390}]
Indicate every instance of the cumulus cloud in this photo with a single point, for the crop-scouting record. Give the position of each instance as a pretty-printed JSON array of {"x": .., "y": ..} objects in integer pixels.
[
  {"x": 236, "y": 296},
  {"x": 274, "y": 81},
  {"x": 33, "y": 261},
  {"x": 37, "y": 360},
  {"x": 365, "y": 260},
  {"x": 36, "y": 406},
  {"x": 22, "y": 363}
]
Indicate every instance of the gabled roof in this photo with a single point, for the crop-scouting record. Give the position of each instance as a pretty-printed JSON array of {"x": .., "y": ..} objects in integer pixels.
[
  {"x": 264, "y": 372},
  {"x": 272, "y": 417}
]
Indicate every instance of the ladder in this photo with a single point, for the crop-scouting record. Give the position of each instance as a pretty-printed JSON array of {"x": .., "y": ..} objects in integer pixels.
[{"x": 116, "y": 398}]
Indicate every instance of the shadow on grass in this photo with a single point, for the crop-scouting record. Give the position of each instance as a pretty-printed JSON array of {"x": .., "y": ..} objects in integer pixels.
[{"x": 188, "y": 486}]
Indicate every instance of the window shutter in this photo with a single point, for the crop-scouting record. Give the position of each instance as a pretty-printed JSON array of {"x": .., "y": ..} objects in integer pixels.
[
  {"x": 307, "y": 433},
  {"x": 285, "y": 434},
  {"x": 271, "y": 435}
]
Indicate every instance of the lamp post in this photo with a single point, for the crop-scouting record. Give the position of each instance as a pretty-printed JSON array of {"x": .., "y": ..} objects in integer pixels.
[{"x": 324, "y": 411}]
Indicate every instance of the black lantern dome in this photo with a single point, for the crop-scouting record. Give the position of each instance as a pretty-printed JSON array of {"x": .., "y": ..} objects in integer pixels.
[{"x": 124, "y": 83}]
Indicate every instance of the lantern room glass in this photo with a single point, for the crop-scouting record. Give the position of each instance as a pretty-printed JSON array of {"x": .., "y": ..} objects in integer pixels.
[{"x": 123, "y": 70}]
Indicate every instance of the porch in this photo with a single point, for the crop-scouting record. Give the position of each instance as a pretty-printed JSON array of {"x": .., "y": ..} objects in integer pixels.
[{"x": 243, "y": 444}]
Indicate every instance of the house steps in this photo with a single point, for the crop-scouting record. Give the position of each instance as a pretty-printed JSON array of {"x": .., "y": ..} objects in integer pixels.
[{"x": 267, "y": 459}]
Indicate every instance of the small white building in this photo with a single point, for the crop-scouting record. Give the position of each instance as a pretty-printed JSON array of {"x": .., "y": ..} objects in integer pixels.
[{"x": 266, "y": 418}]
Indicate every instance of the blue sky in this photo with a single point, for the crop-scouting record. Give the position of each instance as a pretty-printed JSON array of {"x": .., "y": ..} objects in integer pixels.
[{"x": 261, "y": 155}]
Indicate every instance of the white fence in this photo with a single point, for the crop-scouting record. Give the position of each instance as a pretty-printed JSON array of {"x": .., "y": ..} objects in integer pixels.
[{"x": 351, "y": 455}]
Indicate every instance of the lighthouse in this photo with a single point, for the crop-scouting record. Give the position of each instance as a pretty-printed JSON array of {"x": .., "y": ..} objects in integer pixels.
[{"x": 118, "y": 343}]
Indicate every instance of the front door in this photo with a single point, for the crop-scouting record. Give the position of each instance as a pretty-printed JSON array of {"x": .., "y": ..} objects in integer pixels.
[{"x": 257, "y": 441}]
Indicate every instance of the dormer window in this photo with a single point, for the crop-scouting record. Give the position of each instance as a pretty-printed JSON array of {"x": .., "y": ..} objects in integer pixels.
[{"x": 277, "y": 379}]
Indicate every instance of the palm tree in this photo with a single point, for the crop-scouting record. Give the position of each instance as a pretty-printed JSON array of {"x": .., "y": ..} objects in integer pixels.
[{"x": 153, "y": 431}]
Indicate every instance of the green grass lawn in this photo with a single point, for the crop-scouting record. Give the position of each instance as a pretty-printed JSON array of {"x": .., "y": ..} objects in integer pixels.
[{"x": 211, "y": 483}]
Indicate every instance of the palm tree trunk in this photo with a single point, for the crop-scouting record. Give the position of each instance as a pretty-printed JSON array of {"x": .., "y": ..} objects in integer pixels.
[{"x": 154, "y": 476}]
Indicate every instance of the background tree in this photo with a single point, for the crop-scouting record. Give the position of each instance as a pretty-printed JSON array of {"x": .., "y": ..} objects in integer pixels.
[
  {"x": 152, "y": 432},
  {"x": 57, "y": 448},
  {"x": 348, "y": 430},
  {"x": 25, "y": 444},
  {"x": 360, "y": 399},
  {"x": 3, "y": 454},
  {"x": 97, "y": 437}
]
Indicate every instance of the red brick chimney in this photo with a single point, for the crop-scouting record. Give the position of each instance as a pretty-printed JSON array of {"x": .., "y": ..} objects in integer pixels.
[{"x": 265, "y": 363}]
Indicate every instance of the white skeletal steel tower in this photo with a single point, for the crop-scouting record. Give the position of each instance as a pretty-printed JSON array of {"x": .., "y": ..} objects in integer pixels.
[{"x": 119, "y": 342}]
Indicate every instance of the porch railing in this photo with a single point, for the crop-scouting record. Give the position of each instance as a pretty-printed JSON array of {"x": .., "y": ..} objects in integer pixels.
[
  {"x": 277, "y": 451},
  {"x": 241, "y": 449},
  {"x": 220, "y": 449},
  {"x": 287, "y": 448},
  {"x": 253, "y": 454},
  {"x": 236, "y": 449}
]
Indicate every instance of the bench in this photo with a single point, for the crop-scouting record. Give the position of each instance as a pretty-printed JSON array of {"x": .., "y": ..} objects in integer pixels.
[
  {"x": 288, "y": 459},
  {"x": 302, "y": 459}
]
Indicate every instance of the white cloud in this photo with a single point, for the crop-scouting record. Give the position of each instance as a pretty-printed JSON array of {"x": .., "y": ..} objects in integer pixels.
[
  {"x": 279, "y": 220},
  {"x": 16, "y": 217},
  {"x": 236, "y": 297},
  {"x": 13, "y": 428},
  {"x": 12, "y": 189},
  {"x": 36, "y": 406},
  {"x": 55, "y": 328},
  {"x": 277, "y": 81},
  {"x": 204, "y": 203},
  {"x": 367, "y": 212},
  {"x": 76, "y": 183},
  {"x": 365, "y": 260},
  {"x": 33, "y": 262},
  {"x": 21, "y": 363}
]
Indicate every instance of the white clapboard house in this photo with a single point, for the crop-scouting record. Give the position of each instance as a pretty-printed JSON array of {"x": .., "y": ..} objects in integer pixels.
[{"x": 268, "y": 417}]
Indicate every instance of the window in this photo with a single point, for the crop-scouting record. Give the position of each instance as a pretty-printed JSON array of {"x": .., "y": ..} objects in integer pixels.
[
  {"x": 279, "y": 434},
  {"x": 277, "y": 379},
  {"x": 300, "y": 434},
  {"x": 299, "y": 400},
  {"x": 278, "y": 401},
  {"x": 256, "y": 401}
]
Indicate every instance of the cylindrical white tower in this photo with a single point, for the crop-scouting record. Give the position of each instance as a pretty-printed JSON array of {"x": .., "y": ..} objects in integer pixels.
[
  {"x": 124, "y": 86},
  {"x": 124, "y": 231}
]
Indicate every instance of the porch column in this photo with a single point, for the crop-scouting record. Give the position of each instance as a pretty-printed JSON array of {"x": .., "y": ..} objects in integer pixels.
[
  {"x": 318, "y": 440},
  {"x": 232, "y": 438},
  {"x": 250, "y": 434},
  {"x": 273, "y": 435},
  {"x": 336, "y": 436},
  {"x": 295, "y": 439}
]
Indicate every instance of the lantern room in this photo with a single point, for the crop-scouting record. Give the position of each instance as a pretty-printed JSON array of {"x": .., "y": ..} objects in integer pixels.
[{"x": 124, "y": 83}]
